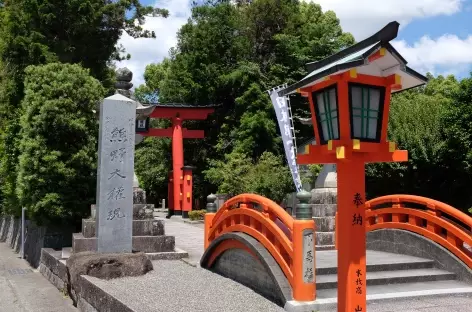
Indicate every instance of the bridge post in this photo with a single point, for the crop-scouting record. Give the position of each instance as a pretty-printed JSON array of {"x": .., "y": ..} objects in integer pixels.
[
  {"x": 209, "y": 215},
  {"x": 303, "y": 250}
]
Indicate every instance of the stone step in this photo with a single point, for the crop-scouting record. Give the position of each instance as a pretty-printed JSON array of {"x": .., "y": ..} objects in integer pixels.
[
  {"x": 375, "y": 267},
  {"x": 142, "y": 206},
  {"x": 327, "y": 298},
  {"x": 324, "y": 247},
  {"x": 177, "y": 254},
  {"x": 326, "y": 262},
  {"x": 66, "y": 252},
  {"x": 147, "y": 244},
  {"x": 390, "y": 277},
  {"x": 324, "y": 224},
  {"x": 324, "y": 210},
  {"x": 140, "y": 228},
  {"x": 324, "y": 238}
]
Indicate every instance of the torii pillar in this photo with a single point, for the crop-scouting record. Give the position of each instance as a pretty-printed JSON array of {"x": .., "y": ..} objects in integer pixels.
[{"x": 177, "y": 113}]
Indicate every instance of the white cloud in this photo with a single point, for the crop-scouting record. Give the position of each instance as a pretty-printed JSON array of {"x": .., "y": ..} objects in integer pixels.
[
  {"x": 363, "y": 17},
  {"x": 447, "y": 54},
  {"x": 443, "y": 55},
  {"x": 146, "y": 51}
]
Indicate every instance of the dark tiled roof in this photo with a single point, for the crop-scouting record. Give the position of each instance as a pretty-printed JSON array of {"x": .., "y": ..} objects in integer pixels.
[{"x": 352, "y": 56}]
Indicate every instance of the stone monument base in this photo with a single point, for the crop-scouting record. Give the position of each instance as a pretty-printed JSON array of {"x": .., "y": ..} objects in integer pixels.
[
  {"x": 104, "y": 266},
  {"x": 148, "y": 235}
]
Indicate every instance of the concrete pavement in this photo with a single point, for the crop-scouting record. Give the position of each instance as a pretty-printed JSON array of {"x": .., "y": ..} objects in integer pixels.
[
  {"x": 188, "y": 237},
  {"x": 23, "y": 289}
]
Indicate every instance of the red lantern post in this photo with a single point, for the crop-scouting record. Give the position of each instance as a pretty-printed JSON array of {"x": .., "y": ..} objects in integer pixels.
[{"x": 349, "y": 99}]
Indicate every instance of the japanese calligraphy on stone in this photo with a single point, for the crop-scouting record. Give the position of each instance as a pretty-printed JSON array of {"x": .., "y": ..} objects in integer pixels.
[
  {"x": 308, "y": 256},
  {"x": 118, "y": 139},
  {"x": 115, "y": 174}
]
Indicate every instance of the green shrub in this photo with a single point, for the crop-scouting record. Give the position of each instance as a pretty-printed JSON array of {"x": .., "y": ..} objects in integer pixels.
[
  {"x": 195, "y": 215},
  {"x": 58, "y": 151}
]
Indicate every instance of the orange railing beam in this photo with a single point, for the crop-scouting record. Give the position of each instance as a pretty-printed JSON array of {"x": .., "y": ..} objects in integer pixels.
[
  {"x": 431, "y": 222},
  {"x": 290, "y": 242}
]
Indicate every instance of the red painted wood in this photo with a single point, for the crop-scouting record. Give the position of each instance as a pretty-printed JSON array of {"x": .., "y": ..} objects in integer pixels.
[{"x": 184, "y": 113}]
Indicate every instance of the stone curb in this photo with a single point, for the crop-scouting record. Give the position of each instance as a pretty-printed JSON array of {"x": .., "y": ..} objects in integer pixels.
[{"x": 194, "y": 221}]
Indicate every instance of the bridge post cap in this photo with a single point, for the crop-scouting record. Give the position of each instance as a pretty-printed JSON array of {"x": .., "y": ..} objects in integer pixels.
[
  {"x": 211, "y": 198},
  {"x": 304, "y": 196},
  {"x": 211, "y": 205},
  {"x": 303, "y": 210}
]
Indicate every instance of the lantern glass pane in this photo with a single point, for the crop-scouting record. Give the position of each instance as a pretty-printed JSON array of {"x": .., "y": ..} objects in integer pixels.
[
  {"x": 365, "y": 110},
  {"x": 327, "y": 111}
]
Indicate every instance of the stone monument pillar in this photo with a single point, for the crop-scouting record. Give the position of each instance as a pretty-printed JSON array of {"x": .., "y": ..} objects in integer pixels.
[
  {"x": 115, "y": 174},
  {"x": 324, "y": 200}
]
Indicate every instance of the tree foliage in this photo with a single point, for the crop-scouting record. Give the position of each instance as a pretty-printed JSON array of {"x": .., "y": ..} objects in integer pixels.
[
  {"x": 57, "y": 163},
  {"x": 152, "y": 162},
  {"x": 238, "y": 173},
  {"x": 433, "y": 123},
  {"x": 35, "y": 32},
  {"x": 230, "y": 54}
]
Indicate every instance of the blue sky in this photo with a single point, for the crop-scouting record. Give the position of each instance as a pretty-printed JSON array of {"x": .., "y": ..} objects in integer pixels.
[{"x": 435, "y": 35}]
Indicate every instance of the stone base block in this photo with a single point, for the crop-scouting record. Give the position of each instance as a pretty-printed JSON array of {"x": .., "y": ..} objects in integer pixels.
[
  {"x": 324, "y": 238},
  {"x": 142, "y": 211},
  {"x": 147, "y": 244},
  {"x": 301, "y": 306},
  {"x": 139, "y": 196},
  {"x": 324, "y": 224},
  {"x": 324, "y": 210},
  {"x": 171, "y": 255},
  {"x": 324, "y": 196},
  {"x": 140, "y": 228},
  {"x": 325, "y": 247}
]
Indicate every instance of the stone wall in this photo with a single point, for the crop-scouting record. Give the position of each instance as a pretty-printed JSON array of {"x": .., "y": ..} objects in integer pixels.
[
  {"x": 91, "y": 298},
  {"x": 36, "y": 237},
  {"x": 258, "y": 271}
]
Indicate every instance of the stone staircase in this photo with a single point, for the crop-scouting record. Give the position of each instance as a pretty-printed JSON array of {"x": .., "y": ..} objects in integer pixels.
[
  {"x": 324, "y": 217},
  {"x": 148, "y": 234},
  {"x": 324, "y": 199},
  {"x": 390, "y": 276}
]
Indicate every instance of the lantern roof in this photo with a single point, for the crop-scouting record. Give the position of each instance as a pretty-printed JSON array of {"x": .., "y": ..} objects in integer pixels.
[{"x": 373, "y": 56}]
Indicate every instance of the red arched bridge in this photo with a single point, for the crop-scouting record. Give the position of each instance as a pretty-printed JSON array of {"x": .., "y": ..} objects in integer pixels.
[{"x": 256, "y": 242}]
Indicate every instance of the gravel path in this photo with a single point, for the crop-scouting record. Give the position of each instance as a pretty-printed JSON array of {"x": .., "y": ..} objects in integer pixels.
[{"x": 174, "y": 286}]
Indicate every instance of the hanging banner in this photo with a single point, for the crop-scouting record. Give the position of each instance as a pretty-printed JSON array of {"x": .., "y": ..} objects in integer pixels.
[{"x": 281, "y": 107}]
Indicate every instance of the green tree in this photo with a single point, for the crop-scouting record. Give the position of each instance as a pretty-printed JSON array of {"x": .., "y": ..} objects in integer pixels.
[
  {"x": 152, "y": 164},
  {"x": 238, "y": 173},
  {"x": 458, "y": 155},
  {"x": 230, "y": 55},
  {"x": 57, "y": 163},
  {"x": 39, "y": 32},
  {"x": 230, "y": 174},
  {"x": 433, "y": 124}
]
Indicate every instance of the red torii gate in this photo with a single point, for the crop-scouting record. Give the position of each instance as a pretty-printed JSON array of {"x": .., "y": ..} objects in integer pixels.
[{"x": 177, "y": 113}]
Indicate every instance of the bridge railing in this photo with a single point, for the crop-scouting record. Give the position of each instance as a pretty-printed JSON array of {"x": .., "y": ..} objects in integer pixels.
[
  {"x": 273, "y": 227},
  {"x": 437, "y": 221}
]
